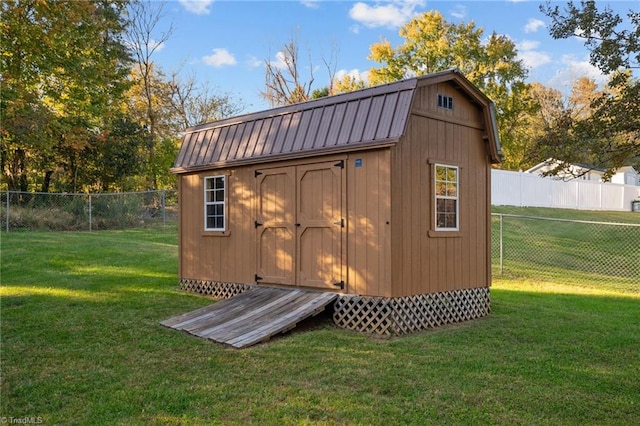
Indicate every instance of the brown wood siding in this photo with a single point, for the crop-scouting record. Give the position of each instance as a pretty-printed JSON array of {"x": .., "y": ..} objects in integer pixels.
[
  {"x": 228, "y": 257},
  {"x": 424, "y": 263},
  {"x": 369, "y": 223}
]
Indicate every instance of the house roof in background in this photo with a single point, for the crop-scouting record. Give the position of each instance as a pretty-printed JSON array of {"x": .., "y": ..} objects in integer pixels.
[{"x": 371, "y": 117}]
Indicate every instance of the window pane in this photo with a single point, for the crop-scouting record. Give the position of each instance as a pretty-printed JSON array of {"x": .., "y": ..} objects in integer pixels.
[
  {"x": 219, "y": 195},
  {"x": 219, "y": 183},
  {"x": 441, "y": 173},
  {"x": 452, "y": 175},
  {"x": 452, "y": 190}
]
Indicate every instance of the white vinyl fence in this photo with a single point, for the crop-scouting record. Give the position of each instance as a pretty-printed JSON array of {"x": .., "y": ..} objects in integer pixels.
[{"x": 531, "y": 190}]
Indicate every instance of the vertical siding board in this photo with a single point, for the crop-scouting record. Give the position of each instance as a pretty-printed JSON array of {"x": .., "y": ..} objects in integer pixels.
[
  {"x": 419, "y": 233},
  {"x": 368, "y": 242},
  {"x": 371, "y": 200},
  {"x": 397, "y": 199},
  {"x": 384, "y": 206}
]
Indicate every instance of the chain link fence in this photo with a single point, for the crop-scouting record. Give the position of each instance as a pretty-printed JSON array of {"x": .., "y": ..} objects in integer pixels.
[
  {"x": 524, "y": 248},
  {"x": 572, "y": 252},
  {"x": 35, "y": 211}
]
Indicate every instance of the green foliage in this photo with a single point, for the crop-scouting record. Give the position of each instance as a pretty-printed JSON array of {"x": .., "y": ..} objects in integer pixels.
[
  {"x": 610, "y": 135},
  {"x": 64, "y": 69},
  {"x": 432, "y": 44}
]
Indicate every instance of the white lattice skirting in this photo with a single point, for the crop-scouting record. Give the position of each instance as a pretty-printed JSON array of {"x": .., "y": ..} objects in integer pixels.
[
  {"x": 380, "y": 315},
  {"x": 402, "y": 315},
  {"x": 215, "y": 289}
]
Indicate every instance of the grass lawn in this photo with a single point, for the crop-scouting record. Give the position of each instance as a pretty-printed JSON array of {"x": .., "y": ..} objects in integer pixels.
[
  {"x": 81, "y": 344},
  {"x": 594, "y": 254}
]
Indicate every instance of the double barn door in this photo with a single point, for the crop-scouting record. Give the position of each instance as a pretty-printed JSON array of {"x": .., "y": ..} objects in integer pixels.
[{"x": 300, "y": 225}]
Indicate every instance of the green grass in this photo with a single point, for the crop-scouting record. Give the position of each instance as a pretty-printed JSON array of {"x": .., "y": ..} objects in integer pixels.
[
  {"x": 578, "y": 253},
  {"x": 81, "y": 344}
]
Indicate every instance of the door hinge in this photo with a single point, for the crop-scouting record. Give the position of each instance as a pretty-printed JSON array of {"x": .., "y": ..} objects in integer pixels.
[
  {"x": 258, "y": 278},
  {"x": 340, "y": 284},
  {"x": 340, "y": 223},
  {"x": 256, "y": 224},
  {"x": 340, "y": 164},
  {"x": 256, "y": 173}
]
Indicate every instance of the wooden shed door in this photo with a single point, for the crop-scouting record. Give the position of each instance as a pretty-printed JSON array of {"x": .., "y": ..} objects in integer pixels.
[
  {"x": 300, "y": 225},
  {"x": 275, "y": 225}
]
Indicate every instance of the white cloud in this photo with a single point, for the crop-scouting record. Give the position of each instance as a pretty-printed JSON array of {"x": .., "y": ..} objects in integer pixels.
[
  {"x": 278, "y": 61},
  {"x": 459, "y": 12},
  {"x": 311, "y": 4},
  {"x": 531, "y": 57},
  {"x": 534, "y": 25},
  {"x": 254, "y": 62},
  {"x": 391, "y": 15},
  {"x": 353, "y": 73},
  {"x": 198, "y": 7},
  {"x": 573, "y": 69},
  {"x": 527, "y": 45},
  {"x": 220, "y": 58}
]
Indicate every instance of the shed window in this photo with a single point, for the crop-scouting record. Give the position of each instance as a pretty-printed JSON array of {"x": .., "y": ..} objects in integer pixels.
[
  {"x": 445, "y": 102},
  {"x": 214, "y": 203},
  {"x": 446, "y": 197}
]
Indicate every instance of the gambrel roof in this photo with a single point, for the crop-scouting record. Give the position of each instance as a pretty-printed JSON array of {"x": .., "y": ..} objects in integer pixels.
[{"x": 371, "y": 117}]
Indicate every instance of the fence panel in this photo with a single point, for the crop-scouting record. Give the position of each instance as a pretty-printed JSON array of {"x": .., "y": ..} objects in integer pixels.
[
  {"x": 86, "y": 212},
  {"x": 581, "y": 253}
]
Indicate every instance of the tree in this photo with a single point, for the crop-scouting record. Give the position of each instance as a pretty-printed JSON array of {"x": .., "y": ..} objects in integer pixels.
[
  {"x": 610, "y": 133},
  {"x": 284, "y": 82},
  {"x": 64, "y": 68},
  {"x": 348, "y": 83},
  {"x": 144, "y": 40},
  {"x": 432, "y": 44},
  {"x": 195, "y": 103}
]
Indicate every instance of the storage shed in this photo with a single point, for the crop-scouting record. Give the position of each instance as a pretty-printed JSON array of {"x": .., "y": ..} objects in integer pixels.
[{"x": 381, "y": 195}]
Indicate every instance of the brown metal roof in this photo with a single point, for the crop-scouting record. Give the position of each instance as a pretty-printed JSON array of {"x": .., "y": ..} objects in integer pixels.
[{"x": 357, "y": 120}]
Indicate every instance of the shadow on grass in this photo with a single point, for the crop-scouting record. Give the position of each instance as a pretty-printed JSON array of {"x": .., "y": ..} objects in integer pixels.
[{"x": 84, "y": 347}]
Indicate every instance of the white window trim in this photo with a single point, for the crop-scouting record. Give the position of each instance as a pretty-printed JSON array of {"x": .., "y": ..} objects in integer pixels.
[
  {"x": 436, "y": 197},
  {"x": 212, "y": 203}
]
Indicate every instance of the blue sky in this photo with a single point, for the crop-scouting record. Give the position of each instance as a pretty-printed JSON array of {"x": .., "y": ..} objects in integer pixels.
[{"x": 226, "y": 43}]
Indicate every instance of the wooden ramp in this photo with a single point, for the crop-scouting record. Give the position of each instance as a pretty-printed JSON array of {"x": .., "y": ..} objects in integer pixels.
[{"x": 253, "y": 316}]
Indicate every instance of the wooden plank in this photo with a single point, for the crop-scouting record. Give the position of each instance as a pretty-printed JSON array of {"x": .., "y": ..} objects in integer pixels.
[
  {"x": 282, "y": 323},
  {"x": 253, "y": 316}
]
